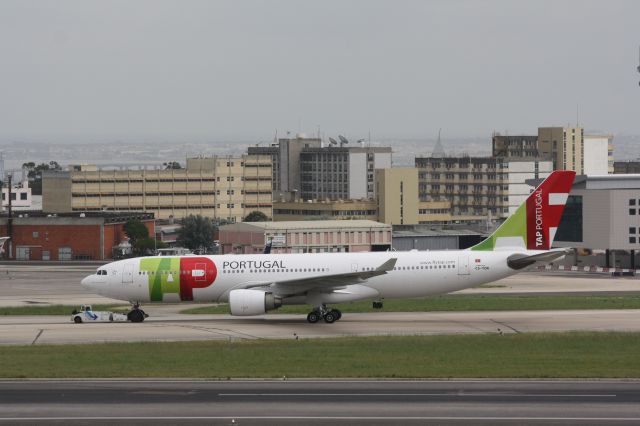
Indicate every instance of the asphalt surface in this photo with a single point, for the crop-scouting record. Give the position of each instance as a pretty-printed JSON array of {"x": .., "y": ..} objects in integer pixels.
[
  {"x": 320, "y": 402},
  {"x": 28, "y": 330},
  {"x": 23, "y": 284}
]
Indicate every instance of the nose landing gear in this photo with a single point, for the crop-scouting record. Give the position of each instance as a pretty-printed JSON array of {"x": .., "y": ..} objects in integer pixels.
[
  {"x": 329, "y": 315},
  {"x": 136, "y": 314}
]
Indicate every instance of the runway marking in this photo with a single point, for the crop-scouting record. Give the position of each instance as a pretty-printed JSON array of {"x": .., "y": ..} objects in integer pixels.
[
  {"x": 134, "y": 418},
  {"x": 37, "y": 336},
  {"x": 460, "y": 394}
]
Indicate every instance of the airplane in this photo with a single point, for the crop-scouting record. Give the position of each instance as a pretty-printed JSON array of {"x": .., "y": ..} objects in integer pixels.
[{"x": 255, "y": 284}]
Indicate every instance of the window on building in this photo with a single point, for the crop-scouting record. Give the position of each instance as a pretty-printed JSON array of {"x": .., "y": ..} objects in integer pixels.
[
  {"x": 13, "y": 195},
  {"x": 23, "y": 195},
  {"x": 632, "y": 240},
  {"x": 35, "y": 234},
  {"x": 632, "y": 229},
  {"x": 570, "y": 228},
  {"x": 632, "y": 212}
]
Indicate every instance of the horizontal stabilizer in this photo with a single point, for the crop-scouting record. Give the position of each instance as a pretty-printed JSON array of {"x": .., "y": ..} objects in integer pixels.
[{"x": 520, "y": 261}]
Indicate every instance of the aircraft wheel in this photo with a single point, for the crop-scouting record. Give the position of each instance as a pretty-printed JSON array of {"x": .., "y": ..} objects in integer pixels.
[
  {"x": 330, "y": 317},
  {"x": 77, "y": 320},
  {"x": 136, "y": 315},
  {"x": 313, "y": 317},
  {"x": 337, "y": 314}
]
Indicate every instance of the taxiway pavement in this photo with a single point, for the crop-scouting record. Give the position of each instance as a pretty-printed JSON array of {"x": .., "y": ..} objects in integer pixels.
[
  {"x": 363, "y": 402},
  {"x": 27, "y": 330}
]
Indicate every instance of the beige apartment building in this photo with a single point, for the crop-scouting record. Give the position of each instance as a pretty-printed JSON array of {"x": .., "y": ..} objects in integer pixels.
[
  {"x": 225, "y": 187},
  {"x": 478, "y": 188},
  {"x": 564, "y": 145}
]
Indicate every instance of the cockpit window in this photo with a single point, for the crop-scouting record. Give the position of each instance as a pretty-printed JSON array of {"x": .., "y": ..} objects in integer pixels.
[{"x": 102, "y": 272}]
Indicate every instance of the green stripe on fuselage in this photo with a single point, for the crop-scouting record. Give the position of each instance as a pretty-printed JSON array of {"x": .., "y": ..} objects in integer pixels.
[{"x": 163, "y": 274}]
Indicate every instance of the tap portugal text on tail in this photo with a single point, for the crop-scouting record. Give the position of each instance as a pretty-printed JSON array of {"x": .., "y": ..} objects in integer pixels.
[{"x": 255, "y": 284}]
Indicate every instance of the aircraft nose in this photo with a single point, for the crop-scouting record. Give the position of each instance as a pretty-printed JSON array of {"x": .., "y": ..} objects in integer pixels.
[{"x": 86, "y": 281}]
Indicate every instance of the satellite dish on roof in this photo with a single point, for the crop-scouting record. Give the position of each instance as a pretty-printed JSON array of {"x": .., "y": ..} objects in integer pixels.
[
  {"x": 333, "y": 141},
  {"x": 343, "y": 139}
]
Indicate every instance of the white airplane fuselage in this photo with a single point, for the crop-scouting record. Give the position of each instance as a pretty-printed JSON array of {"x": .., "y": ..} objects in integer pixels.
[{"x": 415, "y": 274}]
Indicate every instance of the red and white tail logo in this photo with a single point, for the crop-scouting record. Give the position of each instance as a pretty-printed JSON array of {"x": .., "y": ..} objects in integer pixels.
[{"x": 544, "y": 209}]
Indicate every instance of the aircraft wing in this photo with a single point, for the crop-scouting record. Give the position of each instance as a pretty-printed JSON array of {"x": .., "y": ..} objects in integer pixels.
[
  {"x": 323, "y": 282},
  {"x": 520, "y": 261}
]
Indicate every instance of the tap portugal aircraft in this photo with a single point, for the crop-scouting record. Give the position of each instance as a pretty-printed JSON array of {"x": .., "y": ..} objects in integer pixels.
[{"x": 255, "y": 284}]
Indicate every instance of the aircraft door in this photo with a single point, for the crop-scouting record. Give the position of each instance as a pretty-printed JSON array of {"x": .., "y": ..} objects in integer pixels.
[
  {"x": 354, "y": 267},
  {"x": 127, "y": 273},
  {"x": 463, "y": 264}
]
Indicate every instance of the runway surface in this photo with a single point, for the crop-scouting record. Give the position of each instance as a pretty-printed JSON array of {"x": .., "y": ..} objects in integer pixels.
[
  {"x": 22, "y": 284},
  {"x": 320, "y": 402},
  {"x": 27, "y": 330}
]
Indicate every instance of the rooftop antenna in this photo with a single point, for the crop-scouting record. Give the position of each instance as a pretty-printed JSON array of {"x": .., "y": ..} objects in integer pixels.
[
  {"x": 343, "y": 140},
  {"x": 332, "y": 141}
]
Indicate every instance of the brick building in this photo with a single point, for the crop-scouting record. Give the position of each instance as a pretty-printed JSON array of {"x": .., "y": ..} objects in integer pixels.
[{"x": 73, "y": 236}]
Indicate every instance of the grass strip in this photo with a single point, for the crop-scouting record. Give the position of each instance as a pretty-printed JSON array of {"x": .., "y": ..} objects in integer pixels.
[
  {"x": 528, "y": 355},
  {"x": 465, "y": 302},
  {"x": 56, "y": 309},
  {"x": 451, "y": 302}
]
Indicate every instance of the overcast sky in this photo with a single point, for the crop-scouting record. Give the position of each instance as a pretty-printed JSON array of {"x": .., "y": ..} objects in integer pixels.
[{"x": 238, "y": 70}]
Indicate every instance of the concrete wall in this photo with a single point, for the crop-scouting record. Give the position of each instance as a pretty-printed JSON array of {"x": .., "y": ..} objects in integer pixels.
[
  {"x": 596, "y": 155},
  {"x": 357, "y": 175}
]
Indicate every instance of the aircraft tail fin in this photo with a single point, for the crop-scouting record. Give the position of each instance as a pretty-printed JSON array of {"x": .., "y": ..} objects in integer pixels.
[{"x": 533, "y": 225}]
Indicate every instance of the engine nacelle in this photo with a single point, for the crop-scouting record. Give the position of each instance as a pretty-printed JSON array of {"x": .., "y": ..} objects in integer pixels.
[{"x": 252, "y": 302}]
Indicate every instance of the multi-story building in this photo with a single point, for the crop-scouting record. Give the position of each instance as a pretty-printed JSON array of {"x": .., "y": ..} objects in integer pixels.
[
  {"x": 285, "y": 159},
  {"x": 626, "y": 167},
  {"x": 598, "y": 154},
  {"x": 478, "y": 187},
  {"x": 564, "y": 145},
  {"x": 314, "y": 172},
  {"x": 397, "y": 202},
  {"x": 335, "y": 173},
  {"x": 226, "y": 188},
  {"x": 568, "y": 147},
  {"x": 21, "y": 197},
  {"x": 514, "y": 146}
]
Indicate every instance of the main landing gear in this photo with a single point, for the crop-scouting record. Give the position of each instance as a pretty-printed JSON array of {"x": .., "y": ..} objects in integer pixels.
[
  {"x": 136, "y": 314},
  {"x": 329, "y": 315}
]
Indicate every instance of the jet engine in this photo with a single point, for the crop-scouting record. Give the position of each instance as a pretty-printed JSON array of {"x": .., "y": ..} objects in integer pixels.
[{"x": 252, "y": 302}]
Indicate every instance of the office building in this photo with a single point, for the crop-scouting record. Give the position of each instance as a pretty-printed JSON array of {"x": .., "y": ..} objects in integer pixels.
[
  {"x": 225, "y": 188},
  {"x": 285, "y": 160},
  {"x": 314, "y": 172},
  {"x": 336, "y": 173}
]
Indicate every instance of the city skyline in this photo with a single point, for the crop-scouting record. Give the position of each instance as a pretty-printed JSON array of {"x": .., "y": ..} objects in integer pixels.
[{"x": 98, "y": 72}]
